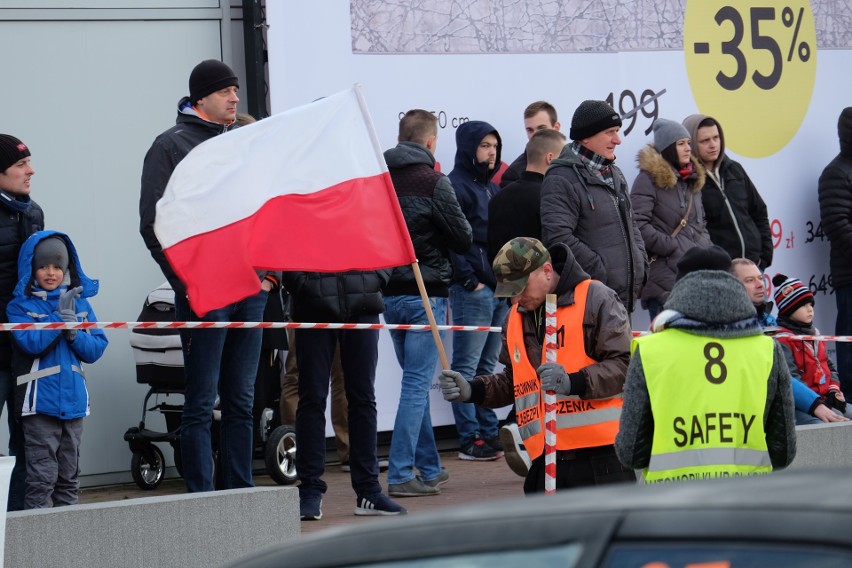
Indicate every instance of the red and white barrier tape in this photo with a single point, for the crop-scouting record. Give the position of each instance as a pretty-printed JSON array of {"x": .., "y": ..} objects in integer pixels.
[
  {"x": 550, "y": 398},
  {"x": 300, "y": 325},
  {"x": 232, "y": 325}
]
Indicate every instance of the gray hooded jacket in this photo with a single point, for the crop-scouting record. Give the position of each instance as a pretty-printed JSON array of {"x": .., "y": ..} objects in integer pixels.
[{"x": 695, "y": 307}]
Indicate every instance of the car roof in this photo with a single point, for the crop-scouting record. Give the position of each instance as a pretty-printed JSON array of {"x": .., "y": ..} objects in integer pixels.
[{"x": 772, "y": 507}]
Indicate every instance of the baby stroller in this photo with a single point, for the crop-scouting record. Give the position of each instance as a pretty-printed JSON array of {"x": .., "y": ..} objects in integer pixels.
[{"x": 159, "y": 364}]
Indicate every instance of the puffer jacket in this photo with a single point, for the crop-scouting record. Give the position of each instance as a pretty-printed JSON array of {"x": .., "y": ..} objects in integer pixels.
[
  {"x": 20, "y": 217},
  {"x": 61, "y": 389},
  {"x": 336, "y": 296},
  {"x": 168, "y": 149},
  {"x": 596, "y": 222},
  {"x": 737, "y": 219},
  {"x": 660, "y": 199},
  {"x": 694, "y": 307},
  {"x": 434, "y": 219},
  {"x": 606, "y": 339},
  {"x": 835, "y": 208},
  {"x": 474, "y": 189}
]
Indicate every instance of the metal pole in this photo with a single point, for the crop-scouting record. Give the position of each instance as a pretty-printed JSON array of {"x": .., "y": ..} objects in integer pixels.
[{"x": 255, "y": 58}]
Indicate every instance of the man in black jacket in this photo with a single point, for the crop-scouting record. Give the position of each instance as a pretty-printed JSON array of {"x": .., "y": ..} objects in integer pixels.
[
  {"x": 835, "y": 210},
  {"x": 584, "y": 204},
  {"x": 216, "y": 361},
  {"x": 20, "y": 218},
  {"x": 436, "y": 224},
  {"x": 515, "y": 211},
  {"x": 736, "y": 214}
]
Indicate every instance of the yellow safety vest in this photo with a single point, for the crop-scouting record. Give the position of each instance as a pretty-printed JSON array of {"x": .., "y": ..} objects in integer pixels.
[
  {"x": 580, "y": 423},
  {"x": 708, "y": 397}
]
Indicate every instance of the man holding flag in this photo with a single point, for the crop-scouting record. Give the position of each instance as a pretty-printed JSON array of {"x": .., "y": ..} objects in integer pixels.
[
  {"x": 593, "y": 349},
  {"x": 220, "y": 220},
  {"x": 216, "y": 361}
]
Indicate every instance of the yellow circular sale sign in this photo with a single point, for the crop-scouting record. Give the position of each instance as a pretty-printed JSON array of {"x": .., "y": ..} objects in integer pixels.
[{"x": 751, "y": 65}]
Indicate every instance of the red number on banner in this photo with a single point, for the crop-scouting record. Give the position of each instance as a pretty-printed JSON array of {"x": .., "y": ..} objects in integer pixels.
[{"x": 777, "y": 232}]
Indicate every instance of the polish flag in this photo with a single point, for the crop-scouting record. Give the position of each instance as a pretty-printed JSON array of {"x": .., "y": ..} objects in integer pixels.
[{"x": 307, "y": 189}]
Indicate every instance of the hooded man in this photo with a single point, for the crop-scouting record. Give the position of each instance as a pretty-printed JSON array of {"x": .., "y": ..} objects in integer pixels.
[
  {"x": 735, "y": 213},
  {"x": 472, "y": 300},
  {"x": 593, "y": 338}
]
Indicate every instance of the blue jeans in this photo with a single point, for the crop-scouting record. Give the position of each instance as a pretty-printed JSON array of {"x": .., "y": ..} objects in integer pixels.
[
  {"x": 805, "y": 418},
  {"x": 413, "y": 443},
  {"x": 359, "y": 353},
  {"x": 475, "y": 353},
  {"x": 18, "y": 483},
  {"x": 222, "y": 361},
  {"x": 843, "y": 296}
]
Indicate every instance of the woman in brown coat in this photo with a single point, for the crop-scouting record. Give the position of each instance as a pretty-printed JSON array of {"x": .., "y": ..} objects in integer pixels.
[{"x": 667, "y": 207}]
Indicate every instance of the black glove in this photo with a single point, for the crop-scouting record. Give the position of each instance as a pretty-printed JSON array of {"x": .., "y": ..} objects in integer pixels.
[{"x": 832, "y": 401}]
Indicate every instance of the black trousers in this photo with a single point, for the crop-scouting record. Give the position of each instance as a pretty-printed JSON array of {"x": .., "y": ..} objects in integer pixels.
[
  {"x": 358, "y": 355},
  {"x": 580, "y": 468}
]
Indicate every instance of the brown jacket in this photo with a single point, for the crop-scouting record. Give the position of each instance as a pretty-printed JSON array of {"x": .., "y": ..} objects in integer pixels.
[
  {"x": 606, "y": 337},
  {"x": 660, "y": 200}
]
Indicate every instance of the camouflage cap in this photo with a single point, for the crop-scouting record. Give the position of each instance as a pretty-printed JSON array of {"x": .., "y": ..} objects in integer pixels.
[{"x": 513, "y": 265}]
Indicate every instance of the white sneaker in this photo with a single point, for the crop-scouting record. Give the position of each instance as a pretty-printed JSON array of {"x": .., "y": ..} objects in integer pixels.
[{"x": 515, "y": 453}]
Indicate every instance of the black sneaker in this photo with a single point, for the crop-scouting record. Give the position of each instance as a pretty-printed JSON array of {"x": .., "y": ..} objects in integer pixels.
[
  {"x": 478, "y": 450},
  {"x": 377, "y": 505},
  {"x": 310, "y": 508},
  {"x": 495, "y": 444}
]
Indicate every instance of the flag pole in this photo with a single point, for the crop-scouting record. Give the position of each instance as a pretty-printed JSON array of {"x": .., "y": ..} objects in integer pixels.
[{"x": 445, "y": 364}]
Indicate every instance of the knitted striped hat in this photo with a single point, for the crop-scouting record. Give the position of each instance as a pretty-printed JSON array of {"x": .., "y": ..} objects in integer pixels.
[{"x": 790, "y": 294}]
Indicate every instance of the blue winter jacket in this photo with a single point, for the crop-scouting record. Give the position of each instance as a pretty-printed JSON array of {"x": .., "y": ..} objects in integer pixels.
[
  {"x": 47, "y": 366},
  {"x": 474, "y": 189}
]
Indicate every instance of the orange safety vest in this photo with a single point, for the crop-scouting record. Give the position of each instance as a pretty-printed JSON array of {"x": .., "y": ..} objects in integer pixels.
[{"x": 580, "y": 423}]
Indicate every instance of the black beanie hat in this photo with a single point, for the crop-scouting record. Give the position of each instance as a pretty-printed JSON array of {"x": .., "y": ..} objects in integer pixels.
[
  {"x": 701, "y": 258},
  {"x": 208, "y": 77},
  {"x": 790, "y": 294},
  {"x": 592, "y": 117},
  {"x": 11, "y": 150}
]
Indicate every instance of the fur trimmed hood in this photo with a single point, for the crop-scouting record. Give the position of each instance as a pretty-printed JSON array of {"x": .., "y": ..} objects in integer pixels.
[{"x": 662, "y": 172}]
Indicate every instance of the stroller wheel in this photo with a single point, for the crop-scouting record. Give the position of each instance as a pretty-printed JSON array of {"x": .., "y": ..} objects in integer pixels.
[
  {"x": 280, "y": 455},
  {"x": 148, "y": 467}
]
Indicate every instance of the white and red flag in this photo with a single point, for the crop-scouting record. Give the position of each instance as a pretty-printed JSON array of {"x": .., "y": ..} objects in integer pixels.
[{"x": 307, "y": 189}]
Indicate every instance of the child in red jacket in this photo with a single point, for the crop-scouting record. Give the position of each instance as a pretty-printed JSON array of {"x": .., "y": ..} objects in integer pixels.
[{"x": 806, "y": 359}]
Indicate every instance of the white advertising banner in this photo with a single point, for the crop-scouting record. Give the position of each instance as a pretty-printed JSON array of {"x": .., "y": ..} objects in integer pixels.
[{"x": 775, "y": 76}]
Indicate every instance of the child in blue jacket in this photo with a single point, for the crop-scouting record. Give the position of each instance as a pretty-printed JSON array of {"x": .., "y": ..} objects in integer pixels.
[{"x": 51, "y": 398}]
